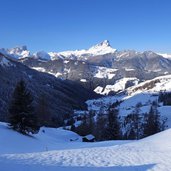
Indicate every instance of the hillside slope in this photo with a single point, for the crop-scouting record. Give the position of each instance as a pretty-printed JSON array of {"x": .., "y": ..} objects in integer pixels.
[
  {"x": 152, "y": 153},
  {"x": 62, "y": 95},
  {"x": 144, "y": 93}
]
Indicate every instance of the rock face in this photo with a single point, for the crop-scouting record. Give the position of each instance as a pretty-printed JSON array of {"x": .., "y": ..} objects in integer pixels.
[{"x": 62, "y": 95}]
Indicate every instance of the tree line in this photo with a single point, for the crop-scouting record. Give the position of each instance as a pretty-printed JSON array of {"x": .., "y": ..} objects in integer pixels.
[
  {"x": 26, "y": 116},
  {"x": 111, "y": 126}
]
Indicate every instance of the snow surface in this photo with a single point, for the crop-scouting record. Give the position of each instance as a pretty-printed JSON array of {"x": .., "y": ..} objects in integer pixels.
[
  {"x": 118, "y": 86},
  {"x": 163, "y": 84},
  {"x": 58, "y": 74},
  {"x": 83, "y": 80},
  {"x": 104, "y": 72},
  {"x": 65, "y": 62},
  {"x": 165, "y": 55},
  {"x": 42, "y": 55},
  {"x": 19, "y": 152},
  {"x": 39, "y": 69},
  {"x": 98, "y": 90}
]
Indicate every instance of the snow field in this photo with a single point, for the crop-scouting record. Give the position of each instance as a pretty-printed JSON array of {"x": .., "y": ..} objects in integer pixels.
[{"x": 152, "y": 153}]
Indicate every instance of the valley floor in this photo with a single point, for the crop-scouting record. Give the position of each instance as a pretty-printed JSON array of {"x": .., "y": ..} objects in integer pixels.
[{"x": 52, "y": 150}]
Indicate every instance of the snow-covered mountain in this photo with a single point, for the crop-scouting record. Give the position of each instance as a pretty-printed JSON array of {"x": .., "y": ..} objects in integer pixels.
[
  {"x": 17, "y": 52},
  {"x": 99, "y": 49},
  {"x": 98, "y": 68},
  {"x": 105, "y": 70}
]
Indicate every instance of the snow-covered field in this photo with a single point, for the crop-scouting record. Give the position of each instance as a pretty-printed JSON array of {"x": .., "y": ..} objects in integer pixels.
[{"x": 52, "y": 150}]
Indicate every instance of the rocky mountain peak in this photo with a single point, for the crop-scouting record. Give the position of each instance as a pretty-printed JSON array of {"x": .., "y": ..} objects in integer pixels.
[
  {"x": 102, "y": 44},
  {"x": 19, "y": 48},
  {"x": 102, "y": 48}
]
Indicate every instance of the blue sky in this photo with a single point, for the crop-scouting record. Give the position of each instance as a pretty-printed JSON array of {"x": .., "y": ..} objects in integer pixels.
[{"x": 57, "y": 25}]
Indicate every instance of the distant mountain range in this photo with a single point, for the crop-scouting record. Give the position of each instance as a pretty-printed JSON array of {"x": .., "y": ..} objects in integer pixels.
[
  {"x": 70, "y": 78},
  {"x": 100, "y": 68}
]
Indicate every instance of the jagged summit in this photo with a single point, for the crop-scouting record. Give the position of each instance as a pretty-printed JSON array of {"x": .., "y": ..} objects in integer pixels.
[
  {"x": 16, "y": 52},
  {"x": 104, "y": 43},
  {"x": 101, "y": 48},
  {"x": 19, "y": 48}
]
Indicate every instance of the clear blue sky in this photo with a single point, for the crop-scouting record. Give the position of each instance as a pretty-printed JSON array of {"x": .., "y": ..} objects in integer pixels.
[{"x": 57, "y": 25}]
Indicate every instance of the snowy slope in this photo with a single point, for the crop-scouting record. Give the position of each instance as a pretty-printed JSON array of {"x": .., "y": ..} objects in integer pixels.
[
  {"x": 104, "y": 72},
  {"x": 157, "y": 84},
  {"x": 120, "y": 85},
  {"x": 165, "y": 55},
  {"x": 46, "y": 139},
  {"x": 144, "y": 93},
  {"x": 152, "y": 154}
]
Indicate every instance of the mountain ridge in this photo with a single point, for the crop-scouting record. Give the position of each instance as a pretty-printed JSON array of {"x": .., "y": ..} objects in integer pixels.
[{"x": 99, "y": 66}]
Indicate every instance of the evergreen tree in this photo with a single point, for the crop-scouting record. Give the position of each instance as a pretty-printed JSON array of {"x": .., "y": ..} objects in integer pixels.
[
  {"x": 165, "y": 97},
  {"x": 129, "y": 133},
  {"x": 83, "y": 128},
  {"x": 133, "y": 124},
  {"x": 87, "y": 124},
  {"x": 21, "y": 111},
  {"x": 90, "y": 121},
  {"x": 42, "y": 111},
  {"x": 137, "y": 121},
  {"x": 113, "y": 125},
  {"x": 73, "y": 128},
  {"x": 100, "y": 127},
  {"x": 152, "y": 121}
]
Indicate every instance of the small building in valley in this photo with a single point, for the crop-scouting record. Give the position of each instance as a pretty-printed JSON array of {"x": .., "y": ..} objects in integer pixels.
[{"x": 88, "y": 138}]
